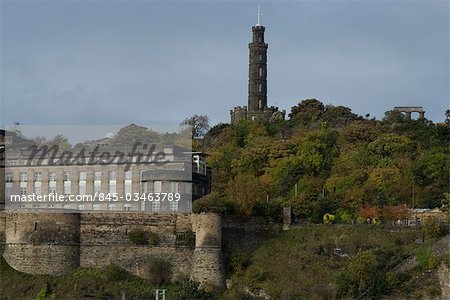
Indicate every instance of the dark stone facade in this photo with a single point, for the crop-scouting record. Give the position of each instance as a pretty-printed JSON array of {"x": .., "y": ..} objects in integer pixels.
[{"x": 257, "y": 83}]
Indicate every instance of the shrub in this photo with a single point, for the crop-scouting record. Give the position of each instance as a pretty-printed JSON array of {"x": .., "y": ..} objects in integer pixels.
[
  {"x": 360, "y": 220},
  {"x": 425, "y": 259},
  {"x": 158, "y": 271},
  {"x": 142, "y": 237},
  {"x": 328, "y": 218},
  {"x": 186, "y": 239},
  {"x": 345, "y": 217},
  {"x": 115, "y": 273},
  {"x": 238, "y": 261},
  {"x": 213, "y": 202},
  {"x": 432, "y": 228}
]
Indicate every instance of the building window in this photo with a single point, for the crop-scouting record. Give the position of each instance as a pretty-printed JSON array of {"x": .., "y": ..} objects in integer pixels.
[
  {"x": 67, "y": 188},
  {"x": 156, "y": 205},
  {"x": 37, "y": 176},
  {"x": 82, "y": 188},
  {"x": 66, "y": 206},
  {"x": 157, "y": 186},
  {"x": 66, "y": 176},
  {"x": 52, "y": 190},
  {"x": 23, "y": 177},
  {"x": 128, "y": 175},
  {"x": 23, "y": 191},
  {"x": 37, "y": 189},
  {"x": 52, "y": 176},
  {"x": 173, "y": 187},
  {"x": 96, "y": 206},
  {"x": 81, "y": 207},
  {"x": 97, "y": 186},
  {"x": 8, "y": 192},
  {"x": 127, "y": 207},
  {"x": 111, "y": 206},
  {"x": 127, "y": 186},
  {"x": 112, "y": 175},
  {"x": 13, "y": 162},
  {"x": 97, "y": 175},
  {"x": 9, "y": 177},
  {"x": 82, "y": 176},
  {"x": 51, "y": 205},
  {"x": 112, "y": 187},
  {"x": 173, "y": 206}
]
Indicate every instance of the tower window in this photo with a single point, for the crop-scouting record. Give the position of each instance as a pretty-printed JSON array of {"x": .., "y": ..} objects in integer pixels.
[
  {"x": 260, "y": 71},
  {"x": 260, "y": 87},
  {"x": 260, "y": 57}
]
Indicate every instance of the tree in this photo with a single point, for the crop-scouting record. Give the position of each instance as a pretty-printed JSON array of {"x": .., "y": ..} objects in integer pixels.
[
  {"x": 131, "y": 134},
  {"x": 369, "y": 212},
  {"x": 338, "y": 115},
  {"x": 396, "y": 212},
  {"x": 307, "y": 111},
  {"x": 61, "y": 141},
  {"x": 393, "y": 116},
  {"x": 361, "y": 269},
  {"x": 199, "y": 125}
]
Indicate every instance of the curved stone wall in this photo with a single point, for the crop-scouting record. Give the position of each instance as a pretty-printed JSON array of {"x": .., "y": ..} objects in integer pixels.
[
  {"x": 208, "y": 268},
  {"x": 42, "y": 243}
]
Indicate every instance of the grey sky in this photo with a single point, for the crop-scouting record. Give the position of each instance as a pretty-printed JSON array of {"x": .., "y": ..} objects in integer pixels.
[{"x": 122, "y": 62}]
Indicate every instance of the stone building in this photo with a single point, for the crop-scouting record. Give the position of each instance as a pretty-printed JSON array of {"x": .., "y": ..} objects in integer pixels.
[
  {"x": 88, "y": 183},
  {"x": 257, "y": 108}
]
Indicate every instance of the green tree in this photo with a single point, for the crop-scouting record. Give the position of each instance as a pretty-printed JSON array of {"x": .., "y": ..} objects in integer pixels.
[
  {"x": 199, "y": 125},
  {"x": 307, "y": 111}
]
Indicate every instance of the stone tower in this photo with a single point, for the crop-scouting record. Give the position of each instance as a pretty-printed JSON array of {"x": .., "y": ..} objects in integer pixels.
[
  {"x": 257, "y": 83},
  {"x": 257, "y": 75}
]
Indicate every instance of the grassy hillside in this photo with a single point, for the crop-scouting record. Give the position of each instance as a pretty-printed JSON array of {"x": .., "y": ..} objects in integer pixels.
[
  {"x": 302, "y": 264},
  {"x": 83, "y": 283}
]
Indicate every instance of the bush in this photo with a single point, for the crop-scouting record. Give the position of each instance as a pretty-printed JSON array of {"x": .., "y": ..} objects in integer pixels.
[
  {"x": 158, "y": 271},
  {"x": 188, "y": 289},
  {"x": 213, "y": 202},
  {"x": 432, "y": 229},
  {"x": 238, "y": 261},
  {"x": 425, "y": 259},
  {"x": 188, "y": 239},
  {"x": 115, "y": 273},
  {"x": 142, "y": 237},
  {"x": 328, "y": 218}
]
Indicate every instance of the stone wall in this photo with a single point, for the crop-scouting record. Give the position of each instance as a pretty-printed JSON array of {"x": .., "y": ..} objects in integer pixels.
[
  {"x": 208, "y": 264},
  {"x": 57, "y": 243},
  {"x": 105, "y": 240},
  {"x": 2, "y": 225},
  {"x": 42, "y": 243},
  {"x": 245, "y": 234}
]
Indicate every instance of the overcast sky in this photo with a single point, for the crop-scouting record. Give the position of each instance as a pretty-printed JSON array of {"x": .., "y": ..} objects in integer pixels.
[{"x": 143, "y": 62}]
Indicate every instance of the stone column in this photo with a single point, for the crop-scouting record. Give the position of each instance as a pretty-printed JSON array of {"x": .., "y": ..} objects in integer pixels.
[
  {"x": 421, "y": 115},
  {"x": 408, "y": 115}
]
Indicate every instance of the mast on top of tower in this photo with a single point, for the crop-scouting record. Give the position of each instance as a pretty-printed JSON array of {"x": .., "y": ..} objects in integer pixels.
[{"x": 259, "y": 14}]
